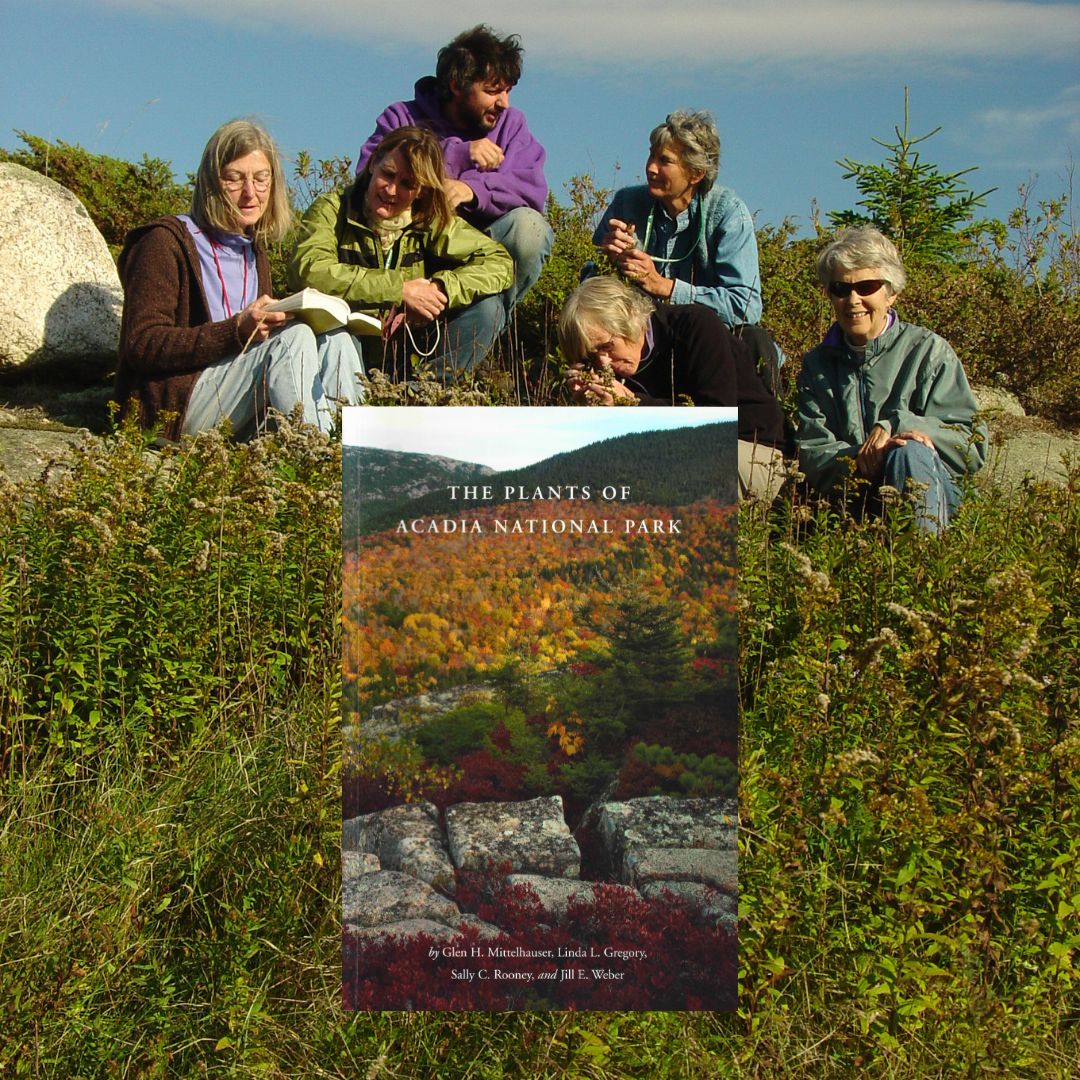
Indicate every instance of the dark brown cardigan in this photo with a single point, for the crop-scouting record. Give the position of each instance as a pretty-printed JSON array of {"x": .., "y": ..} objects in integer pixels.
[{"x": 166, "y": 338}]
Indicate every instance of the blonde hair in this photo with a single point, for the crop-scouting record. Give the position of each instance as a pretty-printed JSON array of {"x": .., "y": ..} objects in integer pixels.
[
  {"x": 422, "y": 152},
  {"x": 862, "y": 248},
  {"x": 211, "y": 208},
  {"x": 603, "y": 303}
]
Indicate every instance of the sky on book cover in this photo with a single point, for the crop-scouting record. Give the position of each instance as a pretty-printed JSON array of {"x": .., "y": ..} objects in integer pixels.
[{"x": 500, "y": 441}]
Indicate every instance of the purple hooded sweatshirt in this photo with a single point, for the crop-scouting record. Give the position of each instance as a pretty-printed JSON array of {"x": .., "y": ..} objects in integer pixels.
[{"x": 518, "y": 181}]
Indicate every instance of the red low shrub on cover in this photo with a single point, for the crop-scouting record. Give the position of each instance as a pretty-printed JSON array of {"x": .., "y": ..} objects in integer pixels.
[
  {"x": 364, "y": 795},
  {"x": 655, "y": 954},
  {"x": 636, "y": 778},
  {"x": 708, "y": 727},
  {"x": 485, "y": 777}
]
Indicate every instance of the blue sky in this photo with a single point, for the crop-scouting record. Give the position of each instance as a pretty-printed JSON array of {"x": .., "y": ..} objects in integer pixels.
[
  {"x": 509, "y": 438},
  {"x": 792, "y": 84}
]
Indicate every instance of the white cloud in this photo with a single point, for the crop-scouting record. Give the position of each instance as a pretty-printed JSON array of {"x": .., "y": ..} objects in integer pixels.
[
  {"x": 1035, "y": 137},
  {"x": 695, "y": 34},
  {"x": 1031, "y": 122}
]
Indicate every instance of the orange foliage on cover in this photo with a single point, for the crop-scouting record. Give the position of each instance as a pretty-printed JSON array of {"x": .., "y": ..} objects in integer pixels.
[{"x": 421, "y": 611}]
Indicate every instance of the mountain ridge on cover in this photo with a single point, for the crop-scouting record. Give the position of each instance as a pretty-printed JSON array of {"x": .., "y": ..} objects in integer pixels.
[{"x": 661, "y": 468}]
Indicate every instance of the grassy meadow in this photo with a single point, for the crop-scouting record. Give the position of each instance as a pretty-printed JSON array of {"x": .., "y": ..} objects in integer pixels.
[
  {"x": 170, "y": 753},
  {"x": 170, "y": 802}
]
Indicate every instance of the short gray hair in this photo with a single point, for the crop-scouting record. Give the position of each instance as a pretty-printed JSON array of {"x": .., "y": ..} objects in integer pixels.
[
  {"x": 697, "y": 140},
  {"x": 604, "y": 303},
  {"x": 862, "y": 248}
]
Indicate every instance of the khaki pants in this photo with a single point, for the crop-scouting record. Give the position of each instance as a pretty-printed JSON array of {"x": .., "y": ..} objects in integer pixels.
[{"x": 761, "y": 471}]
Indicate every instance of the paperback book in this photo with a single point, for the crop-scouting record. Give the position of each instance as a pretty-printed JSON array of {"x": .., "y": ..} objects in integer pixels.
[
  {"x": 323, "y": 312},
  {"x": 540, "y": 709}
]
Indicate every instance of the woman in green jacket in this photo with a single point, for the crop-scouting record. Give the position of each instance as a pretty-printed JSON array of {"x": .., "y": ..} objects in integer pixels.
[
  {"x": 392, "y": 246},
  {"x": 882, "y": 399}
]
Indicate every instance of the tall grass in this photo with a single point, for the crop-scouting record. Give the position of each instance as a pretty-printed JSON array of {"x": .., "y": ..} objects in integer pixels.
[
  {"x": 910, "y": 789},
  {"x": 170, "y": 801},
  {"x": 169, "y": 883}
]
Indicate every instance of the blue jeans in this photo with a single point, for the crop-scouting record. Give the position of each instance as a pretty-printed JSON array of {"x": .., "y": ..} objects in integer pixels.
[
  {"x": 470, "y": 332},
  {"x": 942, "y": 496},
  {"x": 292, "y": 365}
]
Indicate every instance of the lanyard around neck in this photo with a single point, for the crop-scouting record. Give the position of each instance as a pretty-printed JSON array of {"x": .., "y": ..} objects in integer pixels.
[
  {"x": 690, "y": 250},
  {"x": 221, "y": 279}
]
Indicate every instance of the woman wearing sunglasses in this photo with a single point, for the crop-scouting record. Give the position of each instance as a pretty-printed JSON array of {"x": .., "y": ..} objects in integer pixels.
[
  {"x": 882, "y": 399},
  {"x": 197, "y": 345}
]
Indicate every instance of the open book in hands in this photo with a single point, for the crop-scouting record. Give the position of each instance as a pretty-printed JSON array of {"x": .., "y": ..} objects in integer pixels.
[{"x": 323, "y": 312}]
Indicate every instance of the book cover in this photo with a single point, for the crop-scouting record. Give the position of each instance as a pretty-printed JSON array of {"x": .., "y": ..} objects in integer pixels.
[{"x": 540, "y": 710}]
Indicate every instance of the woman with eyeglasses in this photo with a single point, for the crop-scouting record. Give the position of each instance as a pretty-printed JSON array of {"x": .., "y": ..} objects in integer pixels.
[
  {"x": 197, "y": 345},
  {"x": 625, "y": 350},
  {"x": 882, "y": 399},
  {"x": 392, "y": 246}
]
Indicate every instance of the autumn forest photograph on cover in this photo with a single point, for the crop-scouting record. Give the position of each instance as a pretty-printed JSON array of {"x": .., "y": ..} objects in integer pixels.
[{"x": 540, "y": 711}]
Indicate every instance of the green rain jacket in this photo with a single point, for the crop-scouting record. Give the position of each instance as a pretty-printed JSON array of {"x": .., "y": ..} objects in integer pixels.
[
  {"x": 338, "y": 254},
  {"x": 909, "y": 380}
]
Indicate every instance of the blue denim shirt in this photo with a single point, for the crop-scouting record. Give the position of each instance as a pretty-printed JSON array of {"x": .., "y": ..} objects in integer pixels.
[{"x": 714, "y": 242}]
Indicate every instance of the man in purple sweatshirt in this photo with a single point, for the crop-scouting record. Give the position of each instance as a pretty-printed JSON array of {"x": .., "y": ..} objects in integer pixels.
[{"x": 494, "y": 166}]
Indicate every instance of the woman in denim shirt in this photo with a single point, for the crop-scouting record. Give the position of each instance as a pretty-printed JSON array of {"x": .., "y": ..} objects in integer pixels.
[{"x": 681, "y": 237}]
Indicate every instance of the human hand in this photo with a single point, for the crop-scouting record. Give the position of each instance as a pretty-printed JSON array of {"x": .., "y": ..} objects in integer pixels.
[
  {"x": 485, "y": 154},
  {"x": 598, "y": 386},
  {"x": 641, "y": 270},
  {"x": 870, "y": 459},
  {"x": 917, "y": 436},
  {"x": 619, "y": 237},
  {"x": 459, "y": 193},
  {"x": 424, "y": 300},
  {"x": 255, "y": 324}
]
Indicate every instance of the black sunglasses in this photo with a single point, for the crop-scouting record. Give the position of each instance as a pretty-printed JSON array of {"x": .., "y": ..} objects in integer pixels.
[{"x": 843, "y": 289}]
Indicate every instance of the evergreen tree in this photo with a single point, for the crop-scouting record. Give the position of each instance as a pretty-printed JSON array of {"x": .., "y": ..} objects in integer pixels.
[
  {"x": 926, "y": 212},
  {"x": 647, "y": 665}
]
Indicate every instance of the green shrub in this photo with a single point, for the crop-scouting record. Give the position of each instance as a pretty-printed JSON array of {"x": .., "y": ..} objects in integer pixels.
[
  {"x": 692, "y": 775},
  {"x": 117, "y": 194},
  {"x": 537, "y": 315},
  {"x": 910, "y": 787},
  {"x": 795, "y": 311},
  {"x": 1006, "y": 333},
  {"x": 459, "y": 731},
  {"x": 145, "y": 595},
  {"x": 522, "y": 744},
  {"x": 310, "y": 179}
]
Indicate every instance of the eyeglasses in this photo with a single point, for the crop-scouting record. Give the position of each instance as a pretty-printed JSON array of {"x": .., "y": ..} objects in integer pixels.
[
  {"x": 843, "y": 289},
  {"x": 260, "y": 181}
]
